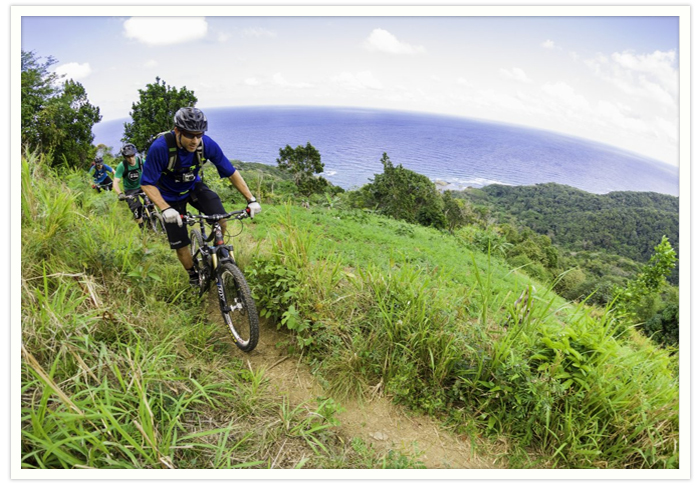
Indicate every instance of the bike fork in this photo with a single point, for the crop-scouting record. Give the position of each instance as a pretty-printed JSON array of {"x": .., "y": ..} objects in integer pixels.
[{"x": 223, "y": 303}]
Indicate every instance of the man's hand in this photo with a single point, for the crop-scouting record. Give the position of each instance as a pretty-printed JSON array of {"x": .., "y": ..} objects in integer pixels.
[
  {"x": 171, "y": 215},
  {"x": 122, "y": 196},
  {"x": 254, "y": 208}
]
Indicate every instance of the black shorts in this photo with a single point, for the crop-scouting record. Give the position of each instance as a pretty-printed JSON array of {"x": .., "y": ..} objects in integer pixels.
[
  {"x": 134, "y": 203},
  {"x": 201, "y": 198}
]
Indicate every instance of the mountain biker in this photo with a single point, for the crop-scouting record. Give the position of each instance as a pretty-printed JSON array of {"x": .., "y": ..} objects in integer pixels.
[
  {"x": 99, "y": 171},
  {"x": 130, "y": 169},
  {"x": 173, "y": 182}
]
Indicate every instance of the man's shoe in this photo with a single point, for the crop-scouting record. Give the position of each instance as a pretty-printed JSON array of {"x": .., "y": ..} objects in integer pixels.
[{"x": 194, "y": 278}]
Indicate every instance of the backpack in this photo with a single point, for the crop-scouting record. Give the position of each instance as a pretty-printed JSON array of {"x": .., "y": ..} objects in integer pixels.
[{"x": 180, "y": 175}]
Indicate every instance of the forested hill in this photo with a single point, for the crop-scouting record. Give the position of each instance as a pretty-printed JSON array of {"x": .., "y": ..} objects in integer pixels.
[{"x": 630, "y": 224}]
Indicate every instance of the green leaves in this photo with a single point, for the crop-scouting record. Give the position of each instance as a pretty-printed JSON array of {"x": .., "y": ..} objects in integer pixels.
[
  {"x": 56, "y": 118},
  {"x": 406, "y": 195},
  {"x": 154, "y": 111},
  {"x": 303, "y": 163}
]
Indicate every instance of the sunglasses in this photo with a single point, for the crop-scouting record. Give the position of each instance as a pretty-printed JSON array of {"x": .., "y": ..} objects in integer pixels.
[{"x": 191, "y": 135}]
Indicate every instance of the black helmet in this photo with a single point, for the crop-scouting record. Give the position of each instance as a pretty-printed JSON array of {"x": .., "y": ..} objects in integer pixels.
[
  {"x": 98, "y": 160},
  {"x": 129, "y": 150},
  {"x": 190, "y": 119}
]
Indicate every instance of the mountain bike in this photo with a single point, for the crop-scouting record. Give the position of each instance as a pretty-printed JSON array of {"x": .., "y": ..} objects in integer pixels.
[
  {"x": 99, "y": 187},
  {"x": 151, "y": 215},
  {"x": 215, "y": 263}
]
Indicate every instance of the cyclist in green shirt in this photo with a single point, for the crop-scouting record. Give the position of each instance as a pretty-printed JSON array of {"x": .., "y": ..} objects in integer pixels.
[{"x": 130, "y": 170}]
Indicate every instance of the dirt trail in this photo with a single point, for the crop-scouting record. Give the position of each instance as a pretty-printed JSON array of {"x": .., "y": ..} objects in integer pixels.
[{"x": 377, "y": 422}]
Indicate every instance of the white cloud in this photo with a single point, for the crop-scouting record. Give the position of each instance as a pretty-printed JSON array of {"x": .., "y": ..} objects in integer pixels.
[
  {"x": 74, "y": 71},
  {"x": 463, "y": 82},
  {"x": 652, "y": 76},
  {"x": 252, "y": 82},
  {"x": 490, "y": 98},
  {"x": 281, "y": 81},
  {"x": 163, "y": 31},
  {"x": 667, "y": 130},
  {"x": 566, "y": 96},
  {"x": 384, "y": 41},
  {"x": 357, "y": 81},
  {"x": 659, "y": 65},
  {"x": 548, "y": 44},
  {"x": 258, "y": 32},
  {"x": 150, "y": 63},
  {"x": 517, "y": 74},
  {"x": 222, "y": 37}
]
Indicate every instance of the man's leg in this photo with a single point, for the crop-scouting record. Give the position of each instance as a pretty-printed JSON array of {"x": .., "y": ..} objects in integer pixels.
[
  {"x": 183, "y": 254},
  {"x": 180, "y": 242}
]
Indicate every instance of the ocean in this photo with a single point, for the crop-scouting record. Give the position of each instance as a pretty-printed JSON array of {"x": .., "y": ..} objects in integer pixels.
[{"x": 458, "y": 151}]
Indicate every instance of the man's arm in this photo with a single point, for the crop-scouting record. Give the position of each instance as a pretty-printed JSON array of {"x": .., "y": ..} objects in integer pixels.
[
  {"x": 117, "y": 189},
  {"x": 153, "y": 194},
  {"x": 237, "y": 180}
]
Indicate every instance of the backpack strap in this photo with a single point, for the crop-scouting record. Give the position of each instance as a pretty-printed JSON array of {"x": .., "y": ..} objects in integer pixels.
[
  {"x": 172, "y": 150},
  {"x": 172, "y": 153}
]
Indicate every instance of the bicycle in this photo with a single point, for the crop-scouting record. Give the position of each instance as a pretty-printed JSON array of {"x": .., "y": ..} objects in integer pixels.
[
  {"x": 215, "y": 263},
  {"x": 151, "y": 215},
  {"x": 99, "y": 187}
]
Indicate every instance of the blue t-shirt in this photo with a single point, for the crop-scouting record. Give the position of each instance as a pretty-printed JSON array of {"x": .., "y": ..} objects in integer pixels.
[
  {"x": 100, "y": 175},
  {"x": 157, "y": 161}
]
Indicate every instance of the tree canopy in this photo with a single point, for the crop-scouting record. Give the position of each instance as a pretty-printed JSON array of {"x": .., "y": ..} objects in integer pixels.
[
  {"x": 57, "y": 118},
  {"x": 154, "y": 111},
  {"x": 403, "y": 194},
  {"x": 303, "y": 163}
]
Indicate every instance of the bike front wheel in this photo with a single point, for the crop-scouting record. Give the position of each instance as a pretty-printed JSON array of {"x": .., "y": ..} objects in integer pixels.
[
  {"x": 196, "y": 245},
  {"x": 237, "y": 306}
]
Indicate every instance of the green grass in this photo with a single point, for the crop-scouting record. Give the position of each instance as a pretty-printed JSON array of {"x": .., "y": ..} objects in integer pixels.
[
  {"x": 122, "y": 368},
  {"x": 121, "y": 365},
  {"x": 380, "y": 306}
]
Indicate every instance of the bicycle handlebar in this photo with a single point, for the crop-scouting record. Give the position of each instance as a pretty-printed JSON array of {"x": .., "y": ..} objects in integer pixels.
[
  {"x": 212, "y": 218},
  {"x": 134, "y": 196}
]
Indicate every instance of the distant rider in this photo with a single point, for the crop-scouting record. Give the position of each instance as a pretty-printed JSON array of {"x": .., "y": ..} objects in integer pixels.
[
  {"x": 172, "y": 187},
  {"x": 100, "y": 179},
  {"x": 130, "y": 170}
]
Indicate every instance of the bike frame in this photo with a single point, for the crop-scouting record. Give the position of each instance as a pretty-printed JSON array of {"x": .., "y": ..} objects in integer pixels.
[{"x": 219, "y": 252}]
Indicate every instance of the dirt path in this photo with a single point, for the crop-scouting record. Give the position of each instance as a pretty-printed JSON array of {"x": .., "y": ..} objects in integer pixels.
[{"x": 377, "y": 422}]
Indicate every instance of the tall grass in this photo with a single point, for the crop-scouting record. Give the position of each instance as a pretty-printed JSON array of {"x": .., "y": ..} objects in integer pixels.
[
  {"x": 456, "y": 334},
  {"x": 122, "y": 366}
]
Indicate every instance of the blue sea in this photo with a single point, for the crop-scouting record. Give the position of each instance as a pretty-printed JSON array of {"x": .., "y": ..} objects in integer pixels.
[{"x": 458, "y": 151}]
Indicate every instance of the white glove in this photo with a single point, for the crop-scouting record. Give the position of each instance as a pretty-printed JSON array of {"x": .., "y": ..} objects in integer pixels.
[
  {"x": 254, "y": 208},
  {"x": 171, "y": 215}
]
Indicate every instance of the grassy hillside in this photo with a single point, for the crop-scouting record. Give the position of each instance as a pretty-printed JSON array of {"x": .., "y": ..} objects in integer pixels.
[{"x": 117, "y": 351}]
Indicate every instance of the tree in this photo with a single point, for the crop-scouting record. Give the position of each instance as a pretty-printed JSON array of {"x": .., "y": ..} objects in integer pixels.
[
  {"x": 458, "y": 212},
  {"x": 304, "y": 163},
  {"x": 403, "y": 194},
  {"x": 636, "y": 301},
  {"x": 154, "y": 112},
  {"x": 38, "y": 86},
  {"x": 58, "y": 119}
]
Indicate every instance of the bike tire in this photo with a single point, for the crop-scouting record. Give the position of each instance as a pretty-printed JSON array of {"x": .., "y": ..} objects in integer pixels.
[
  {"x": 240, "y": 314},
  {"x": 157, "y": 224},
  {"x": 197, "y": 242}
]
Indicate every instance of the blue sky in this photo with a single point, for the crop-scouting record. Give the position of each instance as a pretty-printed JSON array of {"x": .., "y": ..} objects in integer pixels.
[{"x": 609, "y": 79}]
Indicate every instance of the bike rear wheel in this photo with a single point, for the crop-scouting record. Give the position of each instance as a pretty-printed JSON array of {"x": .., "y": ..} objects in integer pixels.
[{"x": 237, "y": 306}]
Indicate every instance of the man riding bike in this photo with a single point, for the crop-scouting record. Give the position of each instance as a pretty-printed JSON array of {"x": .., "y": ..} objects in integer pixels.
[
  {"x": 100, "y": 179},
  {"x": 130, "y": 169},
  {"x": 171, "y": 179}
]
